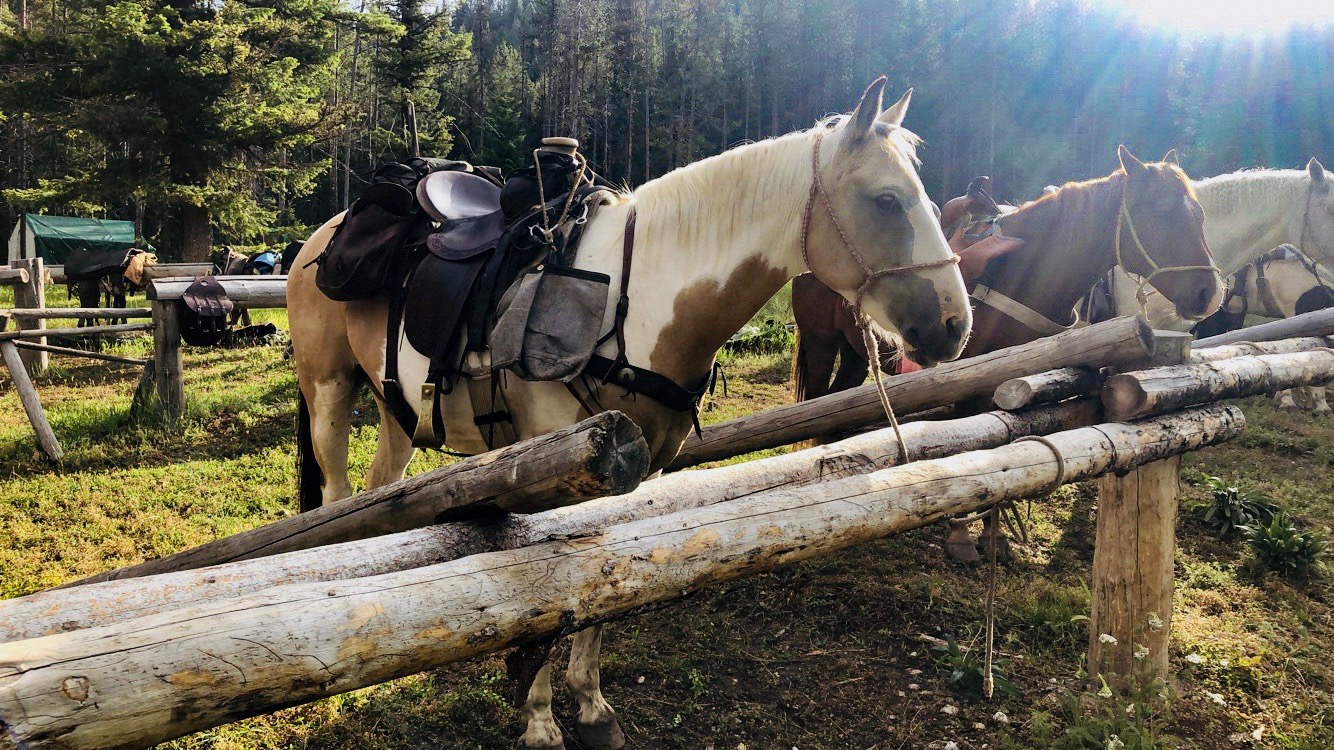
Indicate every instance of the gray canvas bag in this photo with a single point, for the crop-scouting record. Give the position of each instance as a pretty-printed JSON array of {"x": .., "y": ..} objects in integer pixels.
[{"x": 548, "y": 321}]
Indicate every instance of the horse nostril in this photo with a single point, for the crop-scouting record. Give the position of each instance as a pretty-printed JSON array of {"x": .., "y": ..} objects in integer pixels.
[{"x": 954, "y": 328}]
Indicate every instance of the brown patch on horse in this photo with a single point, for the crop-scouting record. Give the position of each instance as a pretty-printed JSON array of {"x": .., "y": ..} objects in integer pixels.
[{"x": 706, "y": 313}]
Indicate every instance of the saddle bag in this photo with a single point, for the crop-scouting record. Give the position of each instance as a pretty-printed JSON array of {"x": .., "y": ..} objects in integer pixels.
[
  {"x": 357, "y": 262},
  {"x": 205, "y": 312},
  {"x": 548, "y": 321}
]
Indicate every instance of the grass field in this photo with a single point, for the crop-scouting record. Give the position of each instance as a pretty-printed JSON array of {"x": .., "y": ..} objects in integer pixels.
[{"x": 834, "y": 653}]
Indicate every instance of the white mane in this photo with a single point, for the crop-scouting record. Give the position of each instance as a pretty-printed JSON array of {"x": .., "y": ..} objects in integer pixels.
[{"x": 1239, "y": 191}]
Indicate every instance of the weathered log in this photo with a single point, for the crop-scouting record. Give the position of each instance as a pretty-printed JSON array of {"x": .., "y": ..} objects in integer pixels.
[
  {"x": 1248, "y": 348},
  {"x": 70, "y": 352},
  {"x": 168, "y": 369},
  {"x": 1118, "y": 341},
  {"x": 1047, "y": 387},
  {"x": 56, "y": 274},
  {"x": 14, "y": 276},
  {"x": 46, "y": 437},
  {"x": 66, "y": 609},
  {"x": 32, "y": 294},
  {"x": 602, "y": 455},
  {"x": 155, "y": 678},
  {"x": 87, "y": 331},
  {"x": 1318, "y": 323},
  {"x": 1133, "y": 562},
  {"x": 1132, "y": 394},
  {"x": 82, "y": 313},
  {"x": 250, "y": 291}
]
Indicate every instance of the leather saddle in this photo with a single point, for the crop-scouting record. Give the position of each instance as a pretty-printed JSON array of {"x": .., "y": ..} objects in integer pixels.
[{"x": 969, "y": 222}]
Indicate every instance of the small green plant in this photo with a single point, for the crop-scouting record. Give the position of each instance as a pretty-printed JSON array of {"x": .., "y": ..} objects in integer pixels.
[
  {"x": 966, "y": 669},
  {"x": 1291, "y": 552},
  {"x": 1234, "y": 508},
  {"x": 763, "y": 336}
]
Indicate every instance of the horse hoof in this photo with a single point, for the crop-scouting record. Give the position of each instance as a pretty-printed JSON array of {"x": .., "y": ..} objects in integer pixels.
[
  {"x": 527, "y": 744},
  {"x": 602, "y": 735},
  {"x": 963, "y": 551}
]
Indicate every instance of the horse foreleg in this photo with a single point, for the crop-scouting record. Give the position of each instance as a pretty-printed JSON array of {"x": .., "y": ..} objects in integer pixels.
[
  {"x": 330, "y": 425},
  {"x": 543, "y": 733},
  {"x": 596, "y": 723},
  {"x": 993, "y": 534},
  {"x": 1285, "y": 401},
  {"x": 393, "y": 450},
  {"x": 852, "y": 368},
  {"x": 1321, "y": 404}
]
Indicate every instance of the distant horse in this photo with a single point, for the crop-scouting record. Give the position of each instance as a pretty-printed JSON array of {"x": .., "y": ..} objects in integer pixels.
[
  {"x": 712, "y": 242},
  {"x": 1278, "y": 284},
  {"x": 91, "y": 276},
  {"x": 1249, "y": 212},
  {"x": 228, "y": 262}
]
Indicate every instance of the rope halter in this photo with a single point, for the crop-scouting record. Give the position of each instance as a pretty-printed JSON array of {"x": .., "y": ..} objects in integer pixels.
[
  {"x": 1123, "y": 217},
  {"x": 869, "y": 275}
]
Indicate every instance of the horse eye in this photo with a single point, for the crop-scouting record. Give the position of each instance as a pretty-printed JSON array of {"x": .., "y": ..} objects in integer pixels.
[{"x": 887, "y": 202}]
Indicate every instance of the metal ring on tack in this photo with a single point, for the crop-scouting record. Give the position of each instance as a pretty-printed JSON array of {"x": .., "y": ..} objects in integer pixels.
[{"x": 1060, "y": 460}]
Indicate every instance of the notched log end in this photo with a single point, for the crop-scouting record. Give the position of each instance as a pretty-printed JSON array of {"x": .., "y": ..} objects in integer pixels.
[{"x": 622, "y": 456}]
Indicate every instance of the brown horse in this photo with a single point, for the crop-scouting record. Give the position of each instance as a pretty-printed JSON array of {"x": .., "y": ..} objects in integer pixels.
[
  {"x": 712, "y": 243},
  {"x": 1143, "y": 217}
]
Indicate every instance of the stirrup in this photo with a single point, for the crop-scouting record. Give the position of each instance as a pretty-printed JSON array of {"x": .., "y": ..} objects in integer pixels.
[{"x": 425, "y": 436}]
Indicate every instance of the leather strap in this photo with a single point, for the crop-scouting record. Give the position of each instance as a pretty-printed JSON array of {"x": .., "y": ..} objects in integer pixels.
[
  {"x": 634, "y": 379},
  {"x": 1035, "y": 321}
]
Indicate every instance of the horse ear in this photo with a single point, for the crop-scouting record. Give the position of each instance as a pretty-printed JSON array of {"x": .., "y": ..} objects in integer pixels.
[
  {"x": 1128, "y": 161},
  {"x": 863, "y": 118},
  {"x": 1317, "y": 172},
  {"x": 1171, "y": 157},
  {"x": 894, "y": 115}
]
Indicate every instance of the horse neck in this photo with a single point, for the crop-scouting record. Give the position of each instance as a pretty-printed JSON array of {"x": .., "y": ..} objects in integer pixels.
[
  {"x": 714, "y": 241},
  {"x": 1069, "y": 243},
  {"x": 1249, "y": 213}
]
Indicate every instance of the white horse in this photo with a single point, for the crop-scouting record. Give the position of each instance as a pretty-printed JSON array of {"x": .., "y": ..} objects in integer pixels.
[
  {"x": 1248, "y": 213},
  {"x": 713, "y": 241}
]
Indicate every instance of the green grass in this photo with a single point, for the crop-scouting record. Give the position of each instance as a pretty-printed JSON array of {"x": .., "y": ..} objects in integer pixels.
[{"x": 817, "y": 655}]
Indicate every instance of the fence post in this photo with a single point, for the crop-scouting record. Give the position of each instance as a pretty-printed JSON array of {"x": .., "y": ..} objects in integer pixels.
[
  {"x": 1132, "y": 571},
  {"x": 167, "y": 358},
  {"x": 32, "y": 295}
]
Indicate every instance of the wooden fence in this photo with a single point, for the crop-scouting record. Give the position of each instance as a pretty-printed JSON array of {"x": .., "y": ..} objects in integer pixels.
[{"x": 309, "y": 607}]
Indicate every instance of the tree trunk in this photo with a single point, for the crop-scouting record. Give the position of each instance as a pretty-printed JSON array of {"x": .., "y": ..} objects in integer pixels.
[
  {"x": 196, "y": 232},
  {"x": 156, "y": 678}
]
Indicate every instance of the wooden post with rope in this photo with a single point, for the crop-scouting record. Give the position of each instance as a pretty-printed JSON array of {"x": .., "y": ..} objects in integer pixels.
[{"x": 1132, "y": 572}]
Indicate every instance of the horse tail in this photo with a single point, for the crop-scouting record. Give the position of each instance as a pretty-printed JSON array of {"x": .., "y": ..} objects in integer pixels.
[
  {"x": 309, "y": 476},
  {"x": 799, "y": 377}
]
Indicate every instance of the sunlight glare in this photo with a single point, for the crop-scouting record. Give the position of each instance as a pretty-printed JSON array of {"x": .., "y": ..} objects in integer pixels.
[{"x": 1228, "y": 16}]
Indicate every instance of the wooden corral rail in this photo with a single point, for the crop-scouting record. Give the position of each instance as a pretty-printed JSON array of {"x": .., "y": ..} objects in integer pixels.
[
  {"x": 77, "y": 313},
  {"x": 1121, "y": 341},
  {"x": 155, "y": 271},
  {"x": 120, "y": 595},
  {"x": 144, "y": 681},
  {"x": 250, "y": 291}
]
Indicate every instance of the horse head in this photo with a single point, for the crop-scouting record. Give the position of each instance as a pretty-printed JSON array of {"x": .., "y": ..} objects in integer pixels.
[
  {"x": 1318, "y": 227},
  {"x": 872, "y": 236},
  {"x": 1160, "y": 235}
]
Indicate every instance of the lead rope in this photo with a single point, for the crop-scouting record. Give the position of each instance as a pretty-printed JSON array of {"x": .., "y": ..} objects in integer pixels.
[
  {"x": 988, "y": 681},
  {"x": 868, "y": 277}
]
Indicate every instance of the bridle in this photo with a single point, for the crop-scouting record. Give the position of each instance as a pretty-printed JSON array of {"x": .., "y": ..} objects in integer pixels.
[
  {"x": 1123, "y": 219},
  {"x": 869, "y": 275}
]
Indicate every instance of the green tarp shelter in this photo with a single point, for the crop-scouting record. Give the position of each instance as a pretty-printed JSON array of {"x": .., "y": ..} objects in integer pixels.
[{"x": 55, "y": 238}]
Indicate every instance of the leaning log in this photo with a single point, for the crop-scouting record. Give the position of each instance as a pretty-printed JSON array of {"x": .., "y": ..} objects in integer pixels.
[
  {"x": 1318, "y": 323},
  {"x": 1119, "y": 341},
  {"x": 602, "y": 455},
  {"x": 97, "y": 604},
  {"x": 86, "y": 331},
  {"x": 32, "y": 406},
  {"x": 84, "y": 353},
  {"x": 155, "y": 678},
  {"x": 1131, "y": 394},
  {"x": 250, "y": 291}
]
